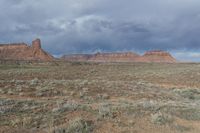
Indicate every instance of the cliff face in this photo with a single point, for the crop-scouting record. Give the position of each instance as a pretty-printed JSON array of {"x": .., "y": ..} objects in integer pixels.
[
  {"x": 151, "y": 56},
  {"x": 22, "y": 51}
]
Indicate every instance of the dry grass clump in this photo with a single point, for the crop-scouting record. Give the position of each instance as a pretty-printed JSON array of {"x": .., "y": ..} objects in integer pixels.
[
  {"x": 188, "y": 93},
  {"x": 78, "y": 125},
  {"x": 106, "y": 110},
  {"x": 161, "y": 119},
  {"x": 69, "y": 106},
  {"x": 104, "y": 96},
  {"x": 188, "y": 113},
  {"x": 34, "y": 81}
]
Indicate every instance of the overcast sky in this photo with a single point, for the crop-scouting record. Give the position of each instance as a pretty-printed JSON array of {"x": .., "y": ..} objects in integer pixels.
[{"x": 87, "y": 26}]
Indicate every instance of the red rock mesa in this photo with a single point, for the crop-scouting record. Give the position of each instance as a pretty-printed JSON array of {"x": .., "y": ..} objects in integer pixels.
[
  {"x": 22, "y": 51},
  {"x": 150, "y": 56},
  {"x": 157, "y": 56}
]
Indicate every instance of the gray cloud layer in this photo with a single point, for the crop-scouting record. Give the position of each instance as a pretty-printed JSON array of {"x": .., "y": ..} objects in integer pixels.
[{"x": 78, "y": 26}]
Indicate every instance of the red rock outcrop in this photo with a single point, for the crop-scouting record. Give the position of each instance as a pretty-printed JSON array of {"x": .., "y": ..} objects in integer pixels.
[
  {"x": 22, "y": 51},
  {"x": 157, "y": 56},
  {"x": 150, "y": 56}
]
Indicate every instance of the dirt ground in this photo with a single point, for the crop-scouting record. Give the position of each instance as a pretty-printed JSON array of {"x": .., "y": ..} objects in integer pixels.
[{"x": 81, "y": 97}]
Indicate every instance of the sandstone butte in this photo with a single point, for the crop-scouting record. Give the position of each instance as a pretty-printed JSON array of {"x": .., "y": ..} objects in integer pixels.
[
  {"x": 150, "y": 56},
  {"x": 22, "y": 51}
]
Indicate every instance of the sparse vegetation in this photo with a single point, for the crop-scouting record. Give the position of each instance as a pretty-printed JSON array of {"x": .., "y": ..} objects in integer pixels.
[
  {"x": 161, "y": 119},
  {"x": 188, "y": 93},
  {"x": 78, "y": 125},
  {"x": 105, "y": 110},
  {"x": 100, "y": 97}
]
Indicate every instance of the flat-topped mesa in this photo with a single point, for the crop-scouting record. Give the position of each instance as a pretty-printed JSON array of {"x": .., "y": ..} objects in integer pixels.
[
  {"x": 157, "y": 56},
  {"x": 13, "y": 46},
  {"x": 22, "y": 51},
  {"x": 150, "y": 56}
]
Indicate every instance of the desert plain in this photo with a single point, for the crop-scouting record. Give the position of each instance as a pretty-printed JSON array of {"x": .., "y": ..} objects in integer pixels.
[{"x": 89, "y": 97}]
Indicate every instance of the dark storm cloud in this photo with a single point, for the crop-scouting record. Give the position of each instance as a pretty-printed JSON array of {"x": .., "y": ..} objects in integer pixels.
[{"x": 83, "y": 26}]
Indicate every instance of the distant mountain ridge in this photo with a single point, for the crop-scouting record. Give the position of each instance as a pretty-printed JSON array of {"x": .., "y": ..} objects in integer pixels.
[{"x": 149, "y": 56}]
